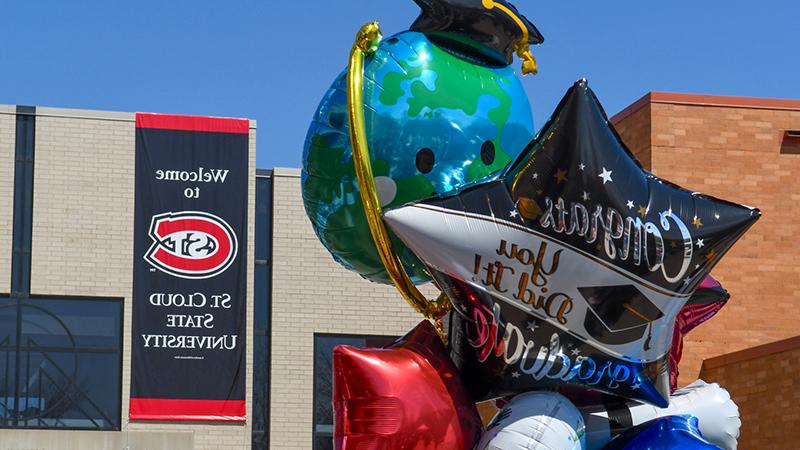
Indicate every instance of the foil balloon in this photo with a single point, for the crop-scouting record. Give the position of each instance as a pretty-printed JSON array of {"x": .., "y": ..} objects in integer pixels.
[
  {"x": 572, "y": 266},
  {"x": 405, "y": 397},
  {"x": 463, "y": 25},
  {"x": 609, "y": 416},
  {"x": 442, "y": 109},
  {"x": 705, "y": 303},
  {"x": 666, "y": 433},
  {"x": 535, "y": 421}
]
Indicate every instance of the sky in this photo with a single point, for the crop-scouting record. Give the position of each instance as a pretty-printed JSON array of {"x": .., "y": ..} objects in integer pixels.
[{"x": 272, "y": 60}]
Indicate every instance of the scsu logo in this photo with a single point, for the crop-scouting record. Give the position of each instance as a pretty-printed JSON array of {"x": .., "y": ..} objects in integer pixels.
[{"x": 191, "y": 244}]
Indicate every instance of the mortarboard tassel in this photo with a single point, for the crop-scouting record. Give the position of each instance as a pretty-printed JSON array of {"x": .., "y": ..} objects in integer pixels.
[
  {"x": 523, "y": 47},
  {"x": 649, "y": 325},
  {"x": 649, "y": 336},
  {"x": 528, "y": 61}
]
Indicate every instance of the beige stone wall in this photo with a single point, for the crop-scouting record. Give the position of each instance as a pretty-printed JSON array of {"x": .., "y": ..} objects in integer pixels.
[
  {"x": 313, "y": 294},
  {"x": 83, "y": 204},
  {"x": 83, "y": 245},
  {"x": 7, "y": 141}
]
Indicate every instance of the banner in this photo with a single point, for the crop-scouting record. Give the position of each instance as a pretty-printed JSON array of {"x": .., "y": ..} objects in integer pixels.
[{"x": 189, "y": 268}]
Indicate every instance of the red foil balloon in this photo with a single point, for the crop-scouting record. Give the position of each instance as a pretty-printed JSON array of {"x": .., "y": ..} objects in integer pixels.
[
  {"x": 704, "y": 304},
  {"x": 405, "y": 397}
]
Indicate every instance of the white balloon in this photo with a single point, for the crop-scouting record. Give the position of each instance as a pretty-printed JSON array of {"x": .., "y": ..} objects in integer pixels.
[
  {"x": 535, "y": 421},
  {"x": 717, "y": 415}
]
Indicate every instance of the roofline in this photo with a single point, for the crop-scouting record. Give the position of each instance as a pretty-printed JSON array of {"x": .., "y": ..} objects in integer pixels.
[
  {"x": 752, "y": 353},
  {"x": 707, "y": 100},
  {"x": 91, "y": 114}
]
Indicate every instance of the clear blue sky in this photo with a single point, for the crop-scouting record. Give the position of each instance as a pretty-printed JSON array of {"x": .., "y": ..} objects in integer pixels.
[{"x": 272, "y": 60}]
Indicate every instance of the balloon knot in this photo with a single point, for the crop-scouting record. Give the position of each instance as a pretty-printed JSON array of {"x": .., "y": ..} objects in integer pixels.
[{"x": 368, "y": 38}]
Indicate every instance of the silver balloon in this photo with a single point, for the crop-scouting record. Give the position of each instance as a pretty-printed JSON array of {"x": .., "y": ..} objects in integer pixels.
[
  {"x": 717, "y": 415},
  {"x": 536, "y": 421}
]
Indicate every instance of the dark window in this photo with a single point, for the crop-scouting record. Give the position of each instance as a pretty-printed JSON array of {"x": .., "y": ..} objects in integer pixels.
[
  {"x": 23, "y": 201},
  {"x": 323, "y": 380},
  {"x": 261, "y": 310},
  {"x": 60, "y": 363},
  {"x": 791, "y": 142}
]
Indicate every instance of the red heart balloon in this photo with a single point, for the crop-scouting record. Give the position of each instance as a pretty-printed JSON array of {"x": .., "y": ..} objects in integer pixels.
[{"x": 405, "y": 397}]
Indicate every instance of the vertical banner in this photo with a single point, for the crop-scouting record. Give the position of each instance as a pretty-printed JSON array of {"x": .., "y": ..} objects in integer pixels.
[{"x": 189, "y": 268}]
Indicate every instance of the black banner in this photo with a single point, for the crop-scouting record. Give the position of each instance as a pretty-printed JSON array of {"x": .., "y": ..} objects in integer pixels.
[{"x": 190, "y": 269}]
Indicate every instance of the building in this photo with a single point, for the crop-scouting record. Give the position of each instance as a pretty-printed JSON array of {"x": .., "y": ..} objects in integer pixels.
[
  {"x": 66, "y": 249},
  {"x": 745, "y": 150}
]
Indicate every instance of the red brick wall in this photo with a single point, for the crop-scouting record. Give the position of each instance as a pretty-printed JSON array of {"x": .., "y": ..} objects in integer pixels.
[
  {"x": 764, "y": 384},
  {"x": 636, "y": 130},
  {"x": 733, "y": 153}
]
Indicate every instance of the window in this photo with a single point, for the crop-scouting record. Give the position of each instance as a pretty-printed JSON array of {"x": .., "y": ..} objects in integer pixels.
[
  {"x": 323, "y": 380},
  {"x": 791, "y": 142},
  {"x": 60, "y": 363},
  {"x": 261, "y": 310}
]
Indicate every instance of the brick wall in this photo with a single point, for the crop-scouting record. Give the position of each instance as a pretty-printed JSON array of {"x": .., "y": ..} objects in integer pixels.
[
  {"x": 765, "y": 385},
  {"x": 83, "y": 205},
  {"x": 82, "y": 245},
  {"x": 730, "y": 148},
  {"x": 636, "y": 131},
  {"x": 7, "y": 138},
  {"x": 312, "y": 293}
]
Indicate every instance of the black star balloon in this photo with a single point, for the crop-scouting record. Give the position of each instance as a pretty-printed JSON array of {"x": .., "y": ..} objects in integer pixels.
[{"x": 570, "y": 268}]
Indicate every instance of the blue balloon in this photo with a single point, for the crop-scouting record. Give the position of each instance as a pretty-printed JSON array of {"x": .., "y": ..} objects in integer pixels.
[
  {"x": 666, "y": 433},
  {"x": 436, "y": 122}
]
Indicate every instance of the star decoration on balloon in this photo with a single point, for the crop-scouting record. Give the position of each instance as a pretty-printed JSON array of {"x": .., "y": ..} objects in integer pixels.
[{"x": 595, "y": 272}]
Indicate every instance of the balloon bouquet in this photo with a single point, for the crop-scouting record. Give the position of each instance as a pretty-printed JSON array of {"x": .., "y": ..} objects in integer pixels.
[{"x": 569, "y": 273}]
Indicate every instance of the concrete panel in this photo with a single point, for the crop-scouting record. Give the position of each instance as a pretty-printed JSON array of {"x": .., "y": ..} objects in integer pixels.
[
  {"x": 7, "y": 139},
  {"x": 93, "y": 440}
]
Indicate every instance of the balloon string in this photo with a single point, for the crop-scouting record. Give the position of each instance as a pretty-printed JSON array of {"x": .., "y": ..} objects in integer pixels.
[
  {"x": 522, "y": 46},
  {"x": 367, "y": 40}
]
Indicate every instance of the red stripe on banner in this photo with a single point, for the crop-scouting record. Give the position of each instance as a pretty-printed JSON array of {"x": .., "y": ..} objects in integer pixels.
[
  {"x": 192, "y": 123},
  {"x": 199, "y": 410}
]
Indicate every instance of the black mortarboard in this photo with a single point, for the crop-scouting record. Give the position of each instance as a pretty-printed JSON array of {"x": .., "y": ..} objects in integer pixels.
[
  {"x": 619, "y": 314},
  {"x": 494, "y": 25}
]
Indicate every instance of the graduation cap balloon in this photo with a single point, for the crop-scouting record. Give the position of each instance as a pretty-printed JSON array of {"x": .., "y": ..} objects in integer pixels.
[
  {"x": 572, "y": 266},
  {"x": 493, "y": 29}
]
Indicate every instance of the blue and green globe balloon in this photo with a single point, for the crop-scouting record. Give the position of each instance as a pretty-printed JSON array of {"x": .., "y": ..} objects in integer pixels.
[{"x": 436, "y": 122}]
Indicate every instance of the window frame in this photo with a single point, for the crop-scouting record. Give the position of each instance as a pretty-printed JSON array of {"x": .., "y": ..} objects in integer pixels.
[
  {"x": 790, "y": 142},
  {"x": 262, "y": 308},
  {"x": 20, "y": 348}
]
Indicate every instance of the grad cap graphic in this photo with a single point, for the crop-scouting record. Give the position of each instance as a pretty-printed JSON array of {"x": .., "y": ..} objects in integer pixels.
[
  {"x": 492, "y": 27},
  {"x": 619, "y": 314}
]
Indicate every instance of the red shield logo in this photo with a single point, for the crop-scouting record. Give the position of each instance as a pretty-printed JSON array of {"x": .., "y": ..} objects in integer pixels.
[{"x": 191, "y": 244}]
